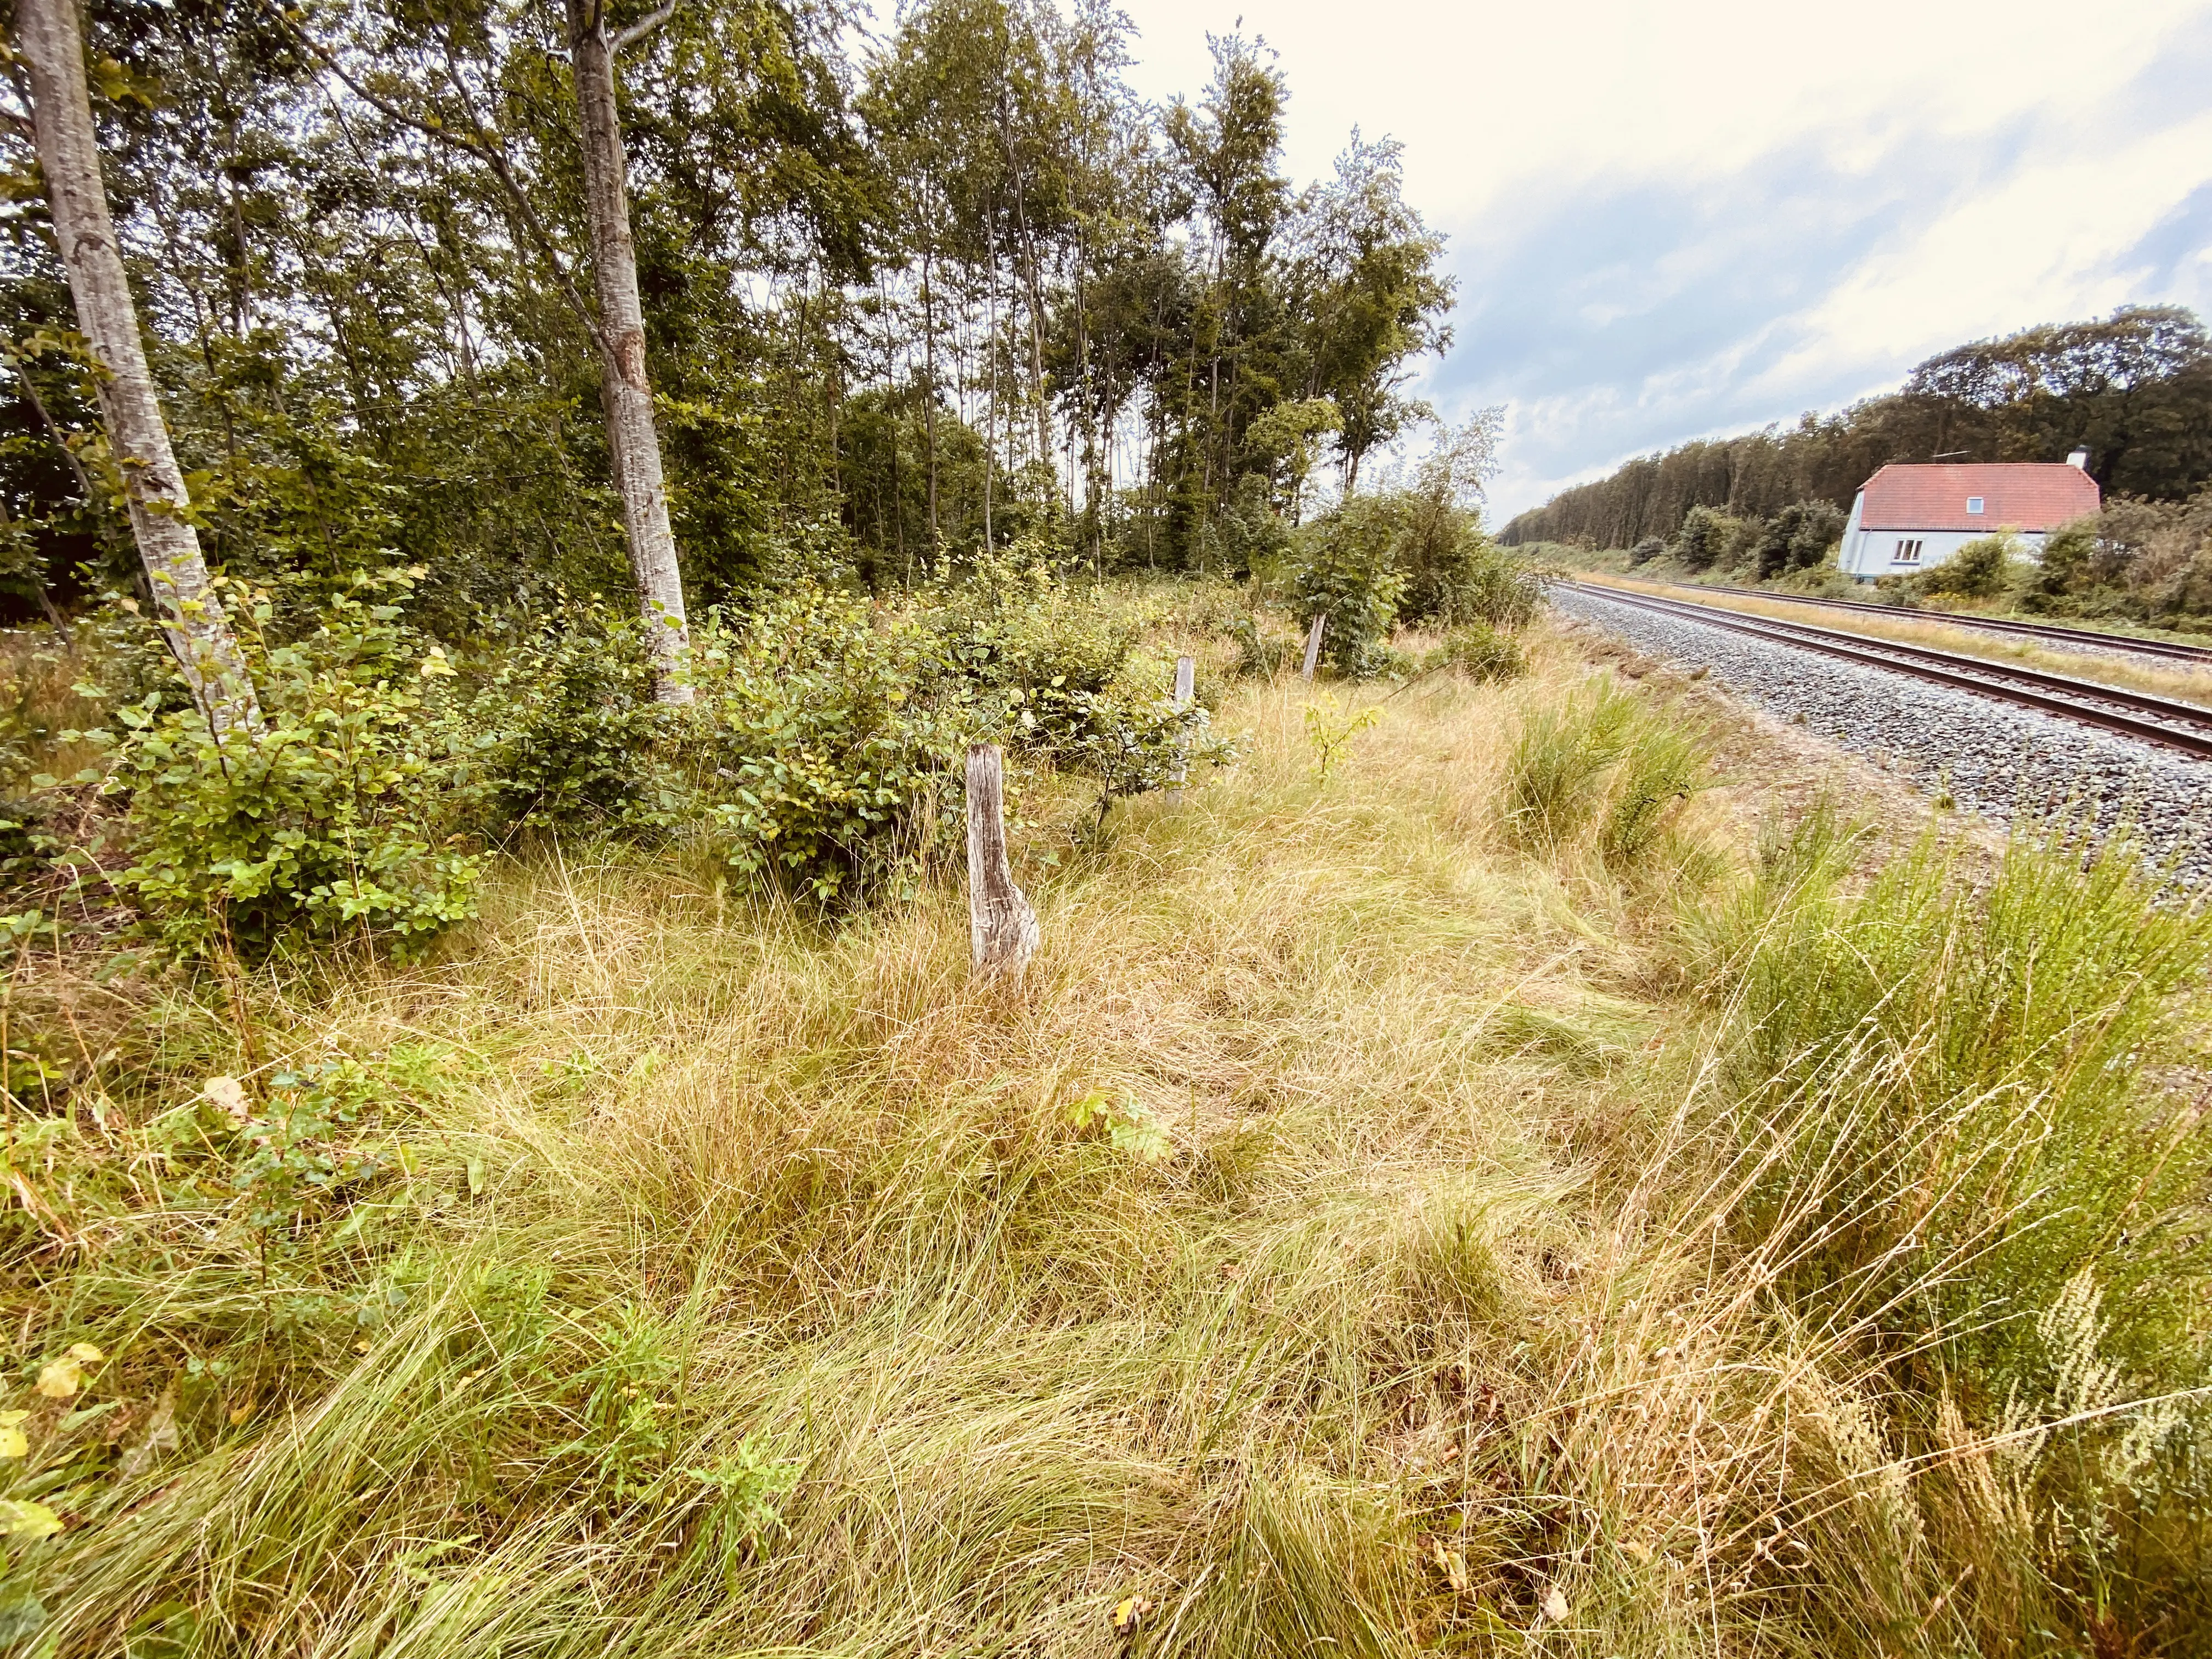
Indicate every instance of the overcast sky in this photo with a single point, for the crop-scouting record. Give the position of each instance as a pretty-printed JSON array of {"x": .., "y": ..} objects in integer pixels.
[{"x": 1675, "y": 221}]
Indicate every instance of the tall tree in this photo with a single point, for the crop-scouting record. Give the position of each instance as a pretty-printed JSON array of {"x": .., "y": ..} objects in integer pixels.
[
  {"x": 154, "y": 487},
  {"x": 632, "y": 443}
]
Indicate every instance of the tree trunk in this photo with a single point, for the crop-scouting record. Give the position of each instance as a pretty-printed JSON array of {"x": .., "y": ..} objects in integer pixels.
[
  {"x": 929, "y": 361},
  {"x": 1002, "y": 927},
  {"x": 191, "y": 613},
  {"x": 632, "y": 442}
]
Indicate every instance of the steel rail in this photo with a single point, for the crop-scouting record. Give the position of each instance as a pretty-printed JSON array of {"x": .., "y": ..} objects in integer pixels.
[
  {"x": 2172, "y": 648},
  {"x": 1943, "y": 668}
]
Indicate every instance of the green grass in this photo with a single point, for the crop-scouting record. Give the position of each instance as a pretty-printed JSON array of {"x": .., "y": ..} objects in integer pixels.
[{"x": 725, "y": 1284}]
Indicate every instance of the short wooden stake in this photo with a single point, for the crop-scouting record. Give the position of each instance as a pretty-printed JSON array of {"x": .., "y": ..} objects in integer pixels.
[
  {"x": 1313, "y": 645},
  {"x": 1186, "y": 687},
  {"x": 1002, "y": 927}
]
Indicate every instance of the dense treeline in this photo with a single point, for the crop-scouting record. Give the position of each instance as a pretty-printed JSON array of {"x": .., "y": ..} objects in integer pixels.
[
  {"x": 899, "y": 301},
  {"x": 2134, "y": 389}
]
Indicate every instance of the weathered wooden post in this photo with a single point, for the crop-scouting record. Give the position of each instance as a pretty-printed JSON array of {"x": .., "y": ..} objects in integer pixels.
[
  {"x": 1002, "y": 927},
  {"x": 1313, "y": 645},
  {"x": 1186, "y": 687}
]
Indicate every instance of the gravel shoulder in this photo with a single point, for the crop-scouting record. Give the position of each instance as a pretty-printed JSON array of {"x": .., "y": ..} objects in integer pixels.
[{"x": 2006, "y": 765}]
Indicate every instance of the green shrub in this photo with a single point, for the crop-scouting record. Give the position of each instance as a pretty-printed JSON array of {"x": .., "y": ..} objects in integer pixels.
[
  {"x": 1261, "y": 653},
  {"x": 1707, "y": 539},
  {"x": 1796, "y": 538},
  {"x": 1348, "y": 575},
  {"x": 578, "y": 729},
  {"x": 1479, "y": 652},
  {"x": 824, "y": 742},
  {"x": 351, "y": 811},
  {"x": 1977, "y": 570}
]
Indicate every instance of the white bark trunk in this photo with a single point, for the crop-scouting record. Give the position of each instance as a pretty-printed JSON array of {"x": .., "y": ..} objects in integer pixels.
[
  {"x": 632, "y": 441},
  {"x": 191, "y": 613}
]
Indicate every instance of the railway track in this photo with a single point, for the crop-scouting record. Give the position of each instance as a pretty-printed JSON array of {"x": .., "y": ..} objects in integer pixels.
[
  {"x": 2170, "y": 650},
  {"x": 2160, "y": 720}
]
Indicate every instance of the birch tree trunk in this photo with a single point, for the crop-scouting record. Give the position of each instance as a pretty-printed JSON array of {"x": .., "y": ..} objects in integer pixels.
[
  {"x": 632, "y": 441},
  {"x": 191, "y": 613}
]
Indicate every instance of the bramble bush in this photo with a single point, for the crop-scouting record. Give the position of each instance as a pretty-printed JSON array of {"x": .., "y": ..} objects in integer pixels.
[
  {"x": 351, "y": 810},
  {"x": 822, "y": 753}
]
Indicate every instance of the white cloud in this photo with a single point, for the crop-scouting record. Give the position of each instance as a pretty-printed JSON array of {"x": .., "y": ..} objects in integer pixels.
[{"x": 1672, "y": 221}]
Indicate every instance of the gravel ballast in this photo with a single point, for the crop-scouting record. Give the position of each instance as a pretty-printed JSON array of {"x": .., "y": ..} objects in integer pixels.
[{"x": 1983, "y": 756}]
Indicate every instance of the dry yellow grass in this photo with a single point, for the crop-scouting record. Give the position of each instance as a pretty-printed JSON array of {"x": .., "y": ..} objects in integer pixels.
[{"x": 1424, "y": 1330}]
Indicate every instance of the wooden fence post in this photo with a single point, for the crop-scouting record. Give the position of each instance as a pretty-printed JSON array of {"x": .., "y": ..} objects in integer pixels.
[
  {"x": 1002, "y": 927},
  {"x": 1313, "y": 645},
  {"x": 1186, "y": 687}
]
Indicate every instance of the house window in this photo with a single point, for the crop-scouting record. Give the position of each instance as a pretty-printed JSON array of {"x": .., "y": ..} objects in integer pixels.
[
  {"x": 1973, "y": 503},
  {"x": 1907, "y": 553}
]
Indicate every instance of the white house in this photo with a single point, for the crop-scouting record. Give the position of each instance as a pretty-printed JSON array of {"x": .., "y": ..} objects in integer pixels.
[{"x": 1907, "y": 518}]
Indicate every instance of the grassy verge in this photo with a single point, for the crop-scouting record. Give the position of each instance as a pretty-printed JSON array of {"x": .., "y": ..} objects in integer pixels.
[{"x": 1485, "y": 1201}]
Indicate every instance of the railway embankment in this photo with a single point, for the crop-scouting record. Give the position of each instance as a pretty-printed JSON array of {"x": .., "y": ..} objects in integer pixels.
[{"x": 1972, "y": 750}]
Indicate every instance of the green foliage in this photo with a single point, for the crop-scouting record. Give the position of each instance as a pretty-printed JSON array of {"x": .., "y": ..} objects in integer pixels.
[
  {"x": 823, "y": 741},
  {"x": 2145, "y": 560},
  {"x": 2135, "y": 388},
  {"x": 577, "y": 726},
  {"x": 1602, "y": 763},
  {"x": 1796, "y": 538},
  {"x": 1947, "y": 1032},
  {"x": 1348, "y": 573},
  {"x": 1980, "y": 570},
  {"x": 822, "y": 753},
  {"x": 1331, "y": 734},
  {"x": 1262, "y": 652},
  {"x": 296, "y": 1155},
  {"x": 1646, "y": 550},
  {"x": 1707, "y": 539},
  {"x": 350, "y": 813}
]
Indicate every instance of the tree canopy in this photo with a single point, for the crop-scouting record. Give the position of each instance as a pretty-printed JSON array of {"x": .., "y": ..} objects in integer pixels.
[{"x": 903, "y": 297}]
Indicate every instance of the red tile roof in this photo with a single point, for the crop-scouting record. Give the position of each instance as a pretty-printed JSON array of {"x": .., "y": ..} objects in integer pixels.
[{"x": 2015, "y": 495}]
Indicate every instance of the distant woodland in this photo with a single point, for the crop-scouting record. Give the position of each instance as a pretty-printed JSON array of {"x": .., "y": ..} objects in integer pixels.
[{"x": 2134, "y": 389}]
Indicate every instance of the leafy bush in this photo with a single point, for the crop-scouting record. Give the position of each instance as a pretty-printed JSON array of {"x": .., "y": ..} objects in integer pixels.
[
  {"x": 1261, "y": 653},
  {"x": 1479, "y": 652},
  {"x": 1707, "y": 539},
  {"x": 351, "y": 810},
  {"x": 1977, "y": 570},
  {"x": 824, "y": 739},
  {"x": 1796, "y": 538},
  {"x": 1646, "y": 550},
  {"x": 1349, "y": 575},
  {"x": 578, "y": 727}
]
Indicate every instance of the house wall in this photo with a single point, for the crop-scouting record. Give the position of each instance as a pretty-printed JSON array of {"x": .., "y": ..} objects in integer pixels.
[{"x": 1869, "y": 553}]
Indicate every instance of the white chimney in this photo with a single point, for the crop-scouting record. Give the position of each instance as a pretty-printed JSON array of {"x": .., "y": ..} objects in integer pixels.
[{"x": 2079, "y": 458}]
